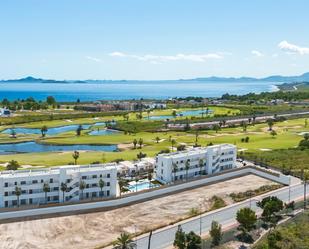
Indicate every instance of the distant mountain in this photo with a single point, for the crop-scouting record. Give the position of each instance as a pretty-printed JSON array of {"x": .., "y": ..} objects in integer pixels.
[
  {"x": 273, "y": 78},
  {"x": 31, "y": 79}
]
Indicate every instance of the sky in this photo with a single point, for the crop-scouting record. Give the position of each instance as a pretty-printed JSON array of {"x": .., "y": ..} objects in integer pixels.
[{"x": 153, "y": 39}]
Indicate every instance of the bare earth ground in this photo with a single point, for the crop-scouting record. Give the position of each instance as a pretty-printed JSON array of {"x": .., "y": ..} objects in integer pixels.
[{"x": 94, "y": 229}]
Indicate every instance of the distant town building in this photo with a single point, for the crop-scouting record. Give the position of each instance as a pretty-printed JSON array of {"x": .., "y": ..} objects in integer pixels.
[
  {"x": 4, "y": 112},
  {"x": 195, "y": 162},
  {"x": 31, "y": 184}
]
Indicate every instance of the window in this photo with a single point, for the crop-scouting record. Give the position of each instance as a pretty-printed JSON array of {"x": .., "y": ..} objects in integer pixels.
[
  {"x": 42, "y": 180},
  {"x": 94, "y": 176},
  {"x": 107, "y": 193},
  {"x": 23, "y": 202},
  {"x": 108, "y": 175},
  {"x": 22, "y": 182},
  {"x": 108, "y": 184},
  {"x": 30, "y": 201},
  {"x": 6, "y": 203},
  {"x": 51, "y": 180},
  {"x": 93, "y": 185},
  {"x": 6, "y": 193},
  {"x": 30, "y": 191},
  {"x": 56, "y": 188},
  {"x": 6, "y": 184},
  {"x": 15, "y": 183},
  {"x": 93, "y": 194},
  {"x": 84, "y": 177},
  {"x": 34, "y": 181},
  {"x": 101, "y": 176}
]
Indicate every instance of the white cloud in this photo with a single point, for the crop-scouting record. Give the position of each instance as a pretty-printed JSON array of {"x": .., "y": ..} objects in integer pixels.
[
  {"x": 160, "y": 58},
  {"x": 292, "y": 48},
  {"x": 93, "y": 59},
  {"x": 257, "y": 53}
]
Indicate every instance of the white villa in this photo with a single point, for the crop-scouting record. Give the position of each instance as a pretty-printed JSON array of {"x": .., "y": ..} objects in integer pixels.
[
  {"x": 31, "y": 182},
  {"x": 195, "y": 162}
]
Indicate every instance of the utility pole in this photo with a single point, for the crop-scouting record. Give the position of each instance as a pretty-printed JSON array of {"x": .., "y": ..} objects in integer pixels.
[{"x": 149, "y": 239}]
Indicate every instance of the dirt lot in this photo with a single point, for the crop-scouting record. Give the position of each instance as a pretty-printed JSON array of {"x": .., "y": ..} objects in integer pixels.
[{"x": 91, "y": 230}]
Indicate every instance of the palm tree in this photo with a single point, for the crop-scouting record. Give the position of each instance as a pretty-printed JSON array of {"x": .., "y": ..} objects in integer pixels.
[
  {"x": 63, "y": 188},
  {"x": 123, "y": 186},
  {"x": 135, "y": 143},
  {"x": 101, "y": 185},
  {"x": 201, "y": 164},
  {"x": 82, "y": 186},
  {"x": 136, "y": 180},
  {"x": 46, "y": 189},
  {"x": 17, "y": 193},
  {"x": 173, "y": 143},
  {"x": 187, "y": 167},
  {"x": 140, "y": 142},
  {"x": 175, "y": 169},
  {"x": 148, "y": 113},
  {"x": 44, "y": 129},
  {"x": 75, "y": 156},
  {"x": 124, "y": 241},
  {"x": 149, "y": 177},
  {"x": 270, "y": 123},
  {"x": 196, "y": 137},
  {"x": 80, "y": 128},
  {"x": 273, "y": 133},
  {"x": 157, "y": 139}
]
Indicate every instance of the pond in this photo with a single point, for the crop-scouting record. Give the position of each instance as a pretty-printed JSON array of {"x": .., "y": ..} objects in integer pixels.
[
  {"x": 32, "y": 147},
  {"x": 181, "y": 114},
  {"x": 100, "y": 132},
  {"x": 52, "y": 130}
]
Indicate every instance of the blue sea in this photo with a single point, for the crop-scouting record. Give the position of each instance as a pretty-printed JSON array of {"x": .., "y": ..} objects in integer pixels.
[{"x": 130, "y": 89}]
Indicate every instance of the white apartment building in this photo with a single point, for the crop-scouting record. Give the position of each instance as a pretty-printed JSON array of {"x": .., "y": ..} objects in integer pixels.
[
  {"x": 31, "y": 182},
  {"x": 195, "y": 162}
]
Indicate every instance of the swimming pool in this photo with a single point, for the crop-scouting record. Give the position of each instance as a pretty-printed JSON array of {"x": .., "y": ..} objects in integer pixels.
[{"x": 141, "y": 185}]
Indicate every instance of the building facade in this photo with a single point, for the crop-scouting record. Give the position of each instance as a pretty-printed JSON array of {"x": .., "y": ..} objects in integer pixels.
[
  {"x": 195, "y": 162},
  {"x": 53, "y": 185}
]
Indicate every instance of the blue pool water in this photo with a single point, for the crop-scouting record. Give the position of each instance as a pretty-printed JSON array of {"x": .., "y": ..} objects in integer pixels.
[
  {"x": 31, "y": 147},
  {"x": 141, "y": 186},
  {"x": 51, "y": 131}
]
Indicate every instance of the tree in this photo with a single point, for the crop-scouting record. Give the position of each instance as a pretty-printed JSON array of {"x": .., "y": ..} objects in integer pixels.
[
  {"x": 273, "y": 133},
  {"x": 79, "y": 130},
  {"x": 270, "y": 122},
  {"x": 140, "y": 143},
  {"x": 215, "y": 233},
  {"x": 196, "y": 137},
  {"x": 12, "y": 165},
  {"x": 124, "y": 241},
  {"x": 306, "y": 123},
  {"x": 123, "y": 186},
  {"x": 216, "y": 128},
  {"x": 149, "y": 177},
  {"x": 157, "y": 139},
  {"x": 50, "y": 100},
  {"x": 101, "y": 186},
  {"x": 193, "y": 241},
  {"x": 244, "y": 126},
  {"x": 148, "y": 114},
  {"x": 46, "y": 189},
  {"x": 201, "y": 164},
  {"x": 13, "y": 133},
  {"x": 18, "y": 194},
  {"x": 271, "y": 205},
  {"x": 173, "y": 143},
  {"x": 174, "y": 113},
  {"x": 63, "y": 188},
  {"x": 187, "y": 167},
  {"x": 44, "y": 130},
  {"x": 75, "y": 156},
  {"x": 82, "y": 186},
  {"x": 180, "y": 238},
  {"x": 134, "y": 143},
  {"x": 246, "y": 218}
]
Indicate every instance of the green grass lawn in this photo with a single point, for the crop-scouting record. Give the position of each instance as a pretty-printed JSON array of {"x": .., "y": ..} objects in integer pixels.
[{"x": 259, "y": 138}]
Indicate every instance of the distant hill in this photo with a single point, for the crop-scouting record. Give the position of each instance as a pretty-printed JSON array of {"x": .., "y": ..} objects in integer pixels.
[
  {"x": 31, "y": 79},
  {"x": 274, "y": 78}
]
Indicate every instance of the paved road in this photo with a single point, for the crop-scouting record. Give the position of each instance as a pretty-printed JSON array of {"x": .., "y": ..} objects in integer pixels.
[
  {"x": 230, "y": 120},
  {"x": 164, "y": 238}
]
